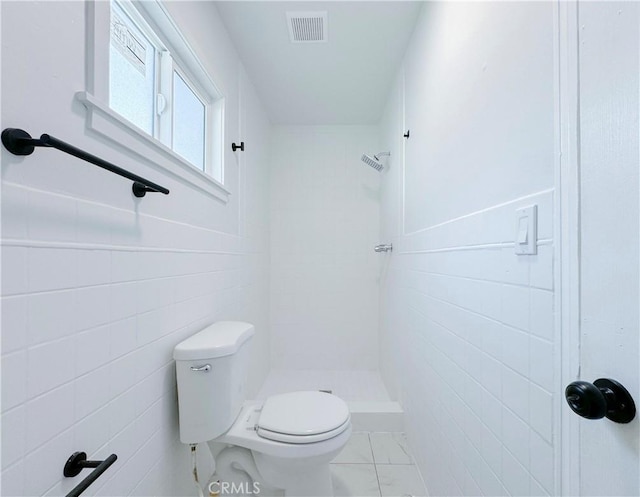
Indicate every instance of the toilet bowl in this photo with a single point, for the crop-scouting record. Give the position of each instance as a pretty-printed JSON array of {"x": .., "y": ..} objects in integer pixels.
[{"x": 291, "y": 437}]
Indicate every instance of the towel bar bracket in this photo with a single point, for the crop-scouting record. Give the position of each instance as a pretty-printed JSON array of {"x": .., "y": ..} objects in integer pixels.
[
  {"x": 77, "y": 462},
  {"x": 140, "y": 190},
  {"x": 18, "y": 141}
]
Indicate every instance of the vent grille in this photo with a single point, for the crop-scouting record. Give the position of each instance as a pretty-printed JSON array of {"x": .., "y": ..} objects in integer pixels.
[{"x": 307, "y": 27}]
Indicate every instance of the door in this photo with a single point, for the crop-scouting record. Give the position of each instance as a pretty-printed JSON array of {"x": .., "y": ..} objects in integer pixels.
[{"x": 601, "y": 457}]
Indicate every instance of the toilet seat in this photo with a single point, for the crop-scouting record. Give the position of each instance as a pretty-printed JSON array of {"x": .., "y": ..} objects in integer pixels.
[
  {"x": 244, "y": 433},
  {"x": 302, "y": 439},
  {"x": 303, "y": 417}
]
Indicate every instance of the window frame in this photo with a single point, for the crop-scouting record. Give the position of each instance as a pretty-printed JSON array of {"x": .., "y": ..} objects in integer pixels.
[{"x": 156, "y": 149}]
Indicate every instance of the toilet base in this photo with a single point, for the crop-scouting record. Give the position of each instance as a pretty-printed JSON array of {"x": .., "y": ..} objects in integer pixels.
[
  {"x": 238, "y": 468},
  {"x": 299, "y": 470},
  {"x": 297, "y": 479}
]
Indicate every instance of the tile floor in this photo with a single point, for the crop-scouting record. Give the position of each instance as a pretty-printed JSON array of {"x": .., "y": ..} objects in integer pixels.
[{"x": 376, "y": 465}]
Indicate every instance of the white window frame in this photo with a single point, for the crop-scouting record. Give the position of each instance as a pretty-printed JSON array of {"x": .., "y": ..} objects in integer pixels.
[{"x": 108, "y": 123}]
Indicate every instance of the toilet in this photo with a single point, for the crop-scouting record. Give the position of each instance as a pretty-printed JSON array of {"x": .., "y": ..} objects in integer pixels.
[{"x": 288, "y": 440}]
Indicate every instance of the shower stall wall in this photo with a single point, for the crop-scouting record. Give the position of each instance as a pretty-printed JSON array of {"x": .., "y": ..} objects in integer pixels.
[{"x": 324, "y": 271}]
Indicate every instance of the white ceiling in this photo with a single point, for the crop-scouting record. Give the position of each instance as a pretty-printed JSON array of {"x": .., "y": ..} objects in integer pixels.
[{"x": 343, "y": 81}]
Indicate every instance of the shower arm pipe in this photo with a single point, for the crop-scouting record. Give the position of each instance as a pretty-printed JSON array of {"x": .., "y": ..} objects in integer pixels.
[
  {"x": 382, "y": 154},
  {"x": 19, "y": 142}
]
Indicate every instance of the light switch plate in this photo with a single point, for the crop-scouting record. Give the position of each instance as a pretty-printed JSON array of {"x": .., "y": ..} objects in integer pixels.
[{"x": 526, "y": 235}]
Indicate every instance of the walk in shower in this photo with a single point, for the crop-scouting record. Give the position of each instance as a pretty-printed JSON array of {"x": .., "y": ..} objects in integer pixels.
[{"x": 325, "y": 275}]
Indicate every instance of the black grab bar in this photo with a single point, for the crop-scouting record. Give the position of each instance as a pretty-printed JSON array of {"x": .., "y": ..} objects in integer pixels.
[
  {"x": 19, "y": 142},
  {"x": 77, "y": 462}
]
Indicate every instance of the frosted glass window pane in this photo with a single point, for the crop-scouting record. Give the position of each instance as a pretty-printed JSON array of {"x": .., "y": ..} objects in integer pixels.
[
  {"x": 188, "y": 123},
  {"x": 131, "y": 71}
]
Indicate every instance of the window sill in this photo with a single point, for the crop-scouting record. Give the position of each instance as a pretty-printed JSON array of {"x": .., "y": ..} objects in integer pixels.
[{"x": 109, "y": 124}]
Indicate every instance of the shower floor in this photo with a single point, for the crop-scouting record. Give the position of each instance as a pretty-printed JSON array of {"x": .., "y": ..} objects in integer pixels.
[
  {"x": 352, "y": 386},
  {"x": 369, "y": 402}
]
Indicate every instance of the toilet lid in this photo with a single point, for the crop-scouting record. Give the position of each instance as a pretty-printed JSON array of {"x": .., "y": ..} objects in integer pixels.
[{"x": 303, "y": 414}]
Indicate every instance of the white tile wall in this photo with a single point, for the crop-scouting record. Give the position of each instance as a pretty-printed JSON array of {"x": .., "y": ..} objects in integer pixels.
[
  {"x": 98, "y": 287},
  {"x": 352, "y": 386},
  {"x": 324, "y": 225},
  {"x": 467, "y": 327},
  {"x": 476, "y": 377},
  {"x": 79, "y": 376}
]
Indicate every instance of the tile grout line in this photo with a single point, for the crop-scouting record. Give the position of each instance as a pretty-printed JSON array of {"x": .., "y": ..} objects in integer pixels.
[{"x": 375, "y": 465}]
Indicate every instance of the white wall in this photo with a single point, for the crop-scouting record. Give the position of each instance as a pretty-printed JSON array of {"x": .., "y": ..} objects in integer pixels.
[
  {"x": 324, "y": 224},
  {"x": 97, "y": 286},
  {"x": 486, "y": 77},
  {"x": 467, "y": 334}
]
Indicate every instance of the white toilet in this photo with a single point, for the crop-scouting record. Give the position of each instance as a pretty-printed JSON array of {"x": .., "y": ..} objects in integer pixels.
[{"x": 291, "y": 437}]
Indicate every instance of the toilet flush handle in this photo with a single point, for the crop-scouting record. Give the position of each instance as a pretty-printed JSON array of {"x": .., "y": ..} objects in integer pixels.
[{"x": 205, "y": 368}]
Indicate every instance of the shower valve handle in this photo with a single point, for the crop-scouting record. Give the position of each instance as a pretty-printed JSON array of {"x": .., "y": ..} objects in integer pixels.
[{"x": 383, "y": 248}]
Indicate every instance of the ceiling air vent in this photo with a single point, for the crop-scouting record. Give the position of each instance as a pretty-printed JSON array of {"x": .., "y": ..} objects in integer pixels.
[{"x": 307, "y": 27}]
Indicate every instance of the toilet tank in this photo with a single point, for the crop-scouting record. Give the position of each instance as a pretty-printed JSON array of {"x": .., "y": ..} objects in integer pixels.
[{"x": 211, "y": 371}]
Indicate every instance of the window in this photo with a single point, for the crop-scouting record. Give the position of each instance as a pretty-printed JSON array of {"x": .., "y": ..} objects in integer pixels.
[
  {"x": 132, "y": 81},
  {"x": 149, "y": 88},
  {"x": 148, "y": 92},
  {"x": 188, "y": 122}
]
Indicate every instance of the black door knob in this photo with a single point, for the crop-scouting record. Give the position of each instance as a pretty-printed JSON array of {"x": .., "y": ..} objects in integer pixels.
[{"x": 603, "y": 397}]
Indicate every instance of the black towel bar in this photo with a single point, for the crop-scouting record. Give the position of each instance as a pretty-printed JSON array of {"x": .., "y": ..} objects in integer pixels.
[
  {"x": 19, "y": 142},
  {"x": 77, "y": 462}
]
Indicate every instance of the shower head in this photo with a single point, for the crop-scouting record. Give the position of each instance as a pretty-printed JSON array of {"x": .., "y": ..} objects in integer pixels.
[
  {"x": 374, "y": 161},
  {"x": 369, "y": 161}
]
